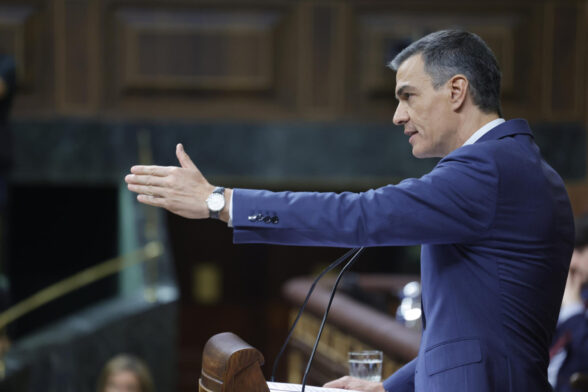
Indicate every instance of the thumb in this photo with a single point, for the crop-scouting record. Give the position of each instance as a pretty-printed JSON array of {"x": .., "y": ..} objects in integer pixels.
[{"x": 183, "y": 158}]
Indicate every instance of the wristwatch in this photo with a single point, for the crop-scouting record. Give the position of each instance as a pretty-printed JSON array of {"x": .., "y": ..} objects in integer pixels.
[{"x": 216, "y": 202}]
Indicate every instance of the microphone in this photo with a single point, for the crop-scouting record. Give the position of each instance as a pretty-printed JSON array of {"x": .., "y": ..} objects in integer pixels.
[
  {"x": 334, "y": 264},
  {"x": 320, "y": 332}
]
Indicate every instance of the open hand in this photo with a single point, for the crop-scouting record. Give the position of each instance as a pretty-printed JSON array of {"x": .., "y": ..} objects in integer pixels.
[{"x": 181, "y": 190}]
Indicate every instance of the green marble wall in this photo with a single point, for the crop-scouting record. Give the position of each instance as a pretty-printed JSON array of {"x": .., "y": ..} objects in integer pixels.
[{"x": 315, "y": 155}]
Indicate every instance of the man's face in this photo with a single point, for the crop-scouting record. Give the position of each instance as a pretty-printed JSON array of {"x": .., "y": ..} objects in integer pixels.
[
  {"x": 579, "y": 264},
  {"x": 426, "y": 113}
]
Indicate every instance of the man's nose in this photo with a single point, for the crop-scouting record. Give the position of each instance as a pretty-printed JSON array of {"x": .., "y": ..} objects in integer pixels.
[{"x": 400, "y": 115}]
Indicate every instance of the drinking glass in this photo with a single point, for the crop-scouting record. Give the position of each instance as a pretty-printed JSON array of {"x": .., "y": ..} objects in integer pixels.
[{"x": 366, "y": 365}]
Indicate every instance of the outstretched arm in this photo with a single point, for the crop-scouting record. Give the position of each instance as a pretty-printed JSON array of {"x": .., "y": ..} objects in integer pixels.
[{"x": 182, "y": 190}]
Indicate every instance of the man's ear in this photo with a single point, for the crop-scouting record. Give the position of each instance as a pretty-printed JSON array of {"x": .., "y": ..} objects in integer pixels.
[{"x": 458, "y": 88}]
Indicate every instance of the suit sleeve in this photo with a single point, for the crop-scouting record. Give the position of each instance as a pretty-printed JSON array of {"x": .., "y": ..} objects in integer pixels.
[
  {"x": 453, "y": 203},
  {"x": 402, "y": 380}
]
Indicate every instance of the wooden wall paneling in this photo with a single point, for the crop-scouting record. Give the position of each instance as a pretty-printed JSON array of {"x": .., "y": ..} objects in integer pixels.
[
  {"x": 60, "y": 32},
  {"x": 564, "y": 71},
  {"x": 13, "y": 29},
  {"x": 500, "y": 37},
  {"x": 322, "y": 63},
  {"x": 580, "y": 60},
  {"x": 565, "y": 76},
  {"x": 25, "y": 33},
  {"x": 380, "y": 38},
  {"x": 584, "y": 48},
  {"x": 198, "y": 50},
  {"x": 547, "y": 55},
  {"x": 382, "y": 34},
  {"x": 522, "y": 92},
  {"x": 77, "y": 62},
  {"x": 202, "y": 61},
  {"x": 578, "y": 193},
  {"x": 585, "y": 70}
]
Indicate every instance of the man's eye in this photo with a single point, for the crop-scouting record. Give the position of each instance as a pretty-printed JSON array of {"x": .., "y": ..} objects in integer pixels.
[{"x": 404, "y": 96}]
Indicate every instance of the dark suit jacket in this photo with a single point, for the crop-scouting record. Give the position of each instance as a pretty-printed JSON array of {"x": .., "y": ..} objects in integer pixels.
[{"x": 497, "y": 233}]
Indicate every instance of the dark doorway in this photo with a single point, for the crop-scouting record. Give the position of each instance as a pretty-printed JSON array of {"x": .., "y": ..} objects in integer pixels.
[{"x": 54, "y": 232}]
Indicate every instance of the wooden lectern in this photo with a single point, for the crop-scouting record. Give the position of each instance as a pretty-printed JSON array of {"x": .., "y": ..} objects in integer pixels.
[{"x": 231, "y": 365}]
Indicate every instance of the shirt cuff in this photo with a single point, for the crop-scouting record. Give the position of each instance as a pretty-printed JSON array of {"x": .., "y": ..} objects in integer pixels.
[{"x": 230, "y": 222}]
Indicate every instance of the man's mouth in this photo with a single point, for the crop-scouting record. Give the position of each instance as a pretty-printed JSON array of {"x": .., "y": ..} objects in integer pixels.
[{"x": 410, "y": 133}]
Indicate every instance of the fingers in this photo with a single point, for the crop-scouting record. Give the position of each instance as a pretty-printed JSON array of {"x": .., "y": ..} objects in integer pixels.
[
  {"x": 348, "y": 382},
  {"x": 159, "y": 171},
  {"x": 338, "y": 383},
  {"x": 145, "y": 180},
  {"x": 151, "y": 200},
  {"x": 146, "y": 190},
  {"x": 183, "y": 157}
]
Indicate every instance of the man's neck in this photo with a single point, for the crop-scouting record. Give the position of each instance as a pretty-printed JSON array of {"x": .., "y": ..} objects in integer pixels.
[{"x": 472, "y": 123}]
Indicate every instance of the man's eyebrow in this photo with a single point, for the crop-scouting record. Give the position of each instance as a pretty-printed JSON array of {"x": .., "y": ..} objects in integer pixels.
[{"x": 401, "y": 90}]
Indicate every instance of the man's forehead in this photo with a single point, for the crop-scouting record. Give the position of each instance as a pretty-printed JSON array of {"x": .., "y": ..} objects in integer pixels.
[
  {"x": 414, "y": 65},
  {"x": 411, "y": 73}
]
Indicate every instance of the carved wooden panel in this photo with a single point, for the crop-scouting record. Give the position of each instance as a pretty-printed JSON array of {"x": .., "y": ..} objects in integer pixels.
[
  {"x": 14, "y": 33},
  {"x": 566, "y": 63},
  {"x": 26, "y": 32},
  {"x": 323, "y": 59},
  {"x": 198, "y": 50},
  {"x": 201, "y": 60},
  {"x": 77, "y": 56}
]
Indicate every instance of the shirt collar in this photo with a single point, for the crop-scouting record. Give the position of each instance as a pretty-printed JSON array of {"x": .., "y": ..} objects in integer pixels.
[{"x": 482, "y": 131}]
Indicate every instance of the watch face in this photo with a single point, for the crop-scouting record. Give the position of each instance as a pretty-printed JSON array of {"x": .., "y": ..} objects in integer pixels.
[{"x": 215, "y": 202}]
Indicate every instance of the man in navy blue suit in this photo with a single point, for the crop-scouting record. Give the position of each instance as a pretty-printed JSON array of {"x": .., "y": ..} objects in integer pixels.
[
  {"x": 493, "y": 218},
  {"x": 569, "y": 351}
]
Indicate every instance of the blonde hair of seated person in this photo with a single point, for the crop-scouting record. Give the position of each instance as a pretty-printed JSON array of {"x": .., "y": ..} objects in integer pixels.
[{"x": 125, "y": 373}]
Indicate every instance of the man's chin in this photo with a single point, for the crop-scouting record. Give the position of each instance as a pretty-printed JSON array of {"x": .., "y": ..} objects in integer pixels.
[{"x": 419, "y": 154}]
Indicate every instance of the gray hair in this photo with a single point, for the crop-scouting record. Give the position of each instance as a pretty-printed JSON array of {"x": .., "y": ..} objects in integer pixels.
[{"x": 447, "y": 53}]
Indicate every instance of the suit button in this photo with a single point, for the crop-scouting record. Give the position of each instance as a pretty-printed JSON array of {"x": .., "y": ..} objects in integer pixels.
[
  {"x": 267, "y": 219},
  {"x": 275, "y": 219},
  {"x": 255, "y": 218}
]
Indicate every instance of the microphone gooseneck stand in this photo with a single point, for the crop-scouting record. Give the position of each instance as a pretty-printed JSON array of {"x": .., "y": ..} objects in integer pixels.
[
  {"x": 318, "y": 337},
  {"x": 334, "y": 264}
]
